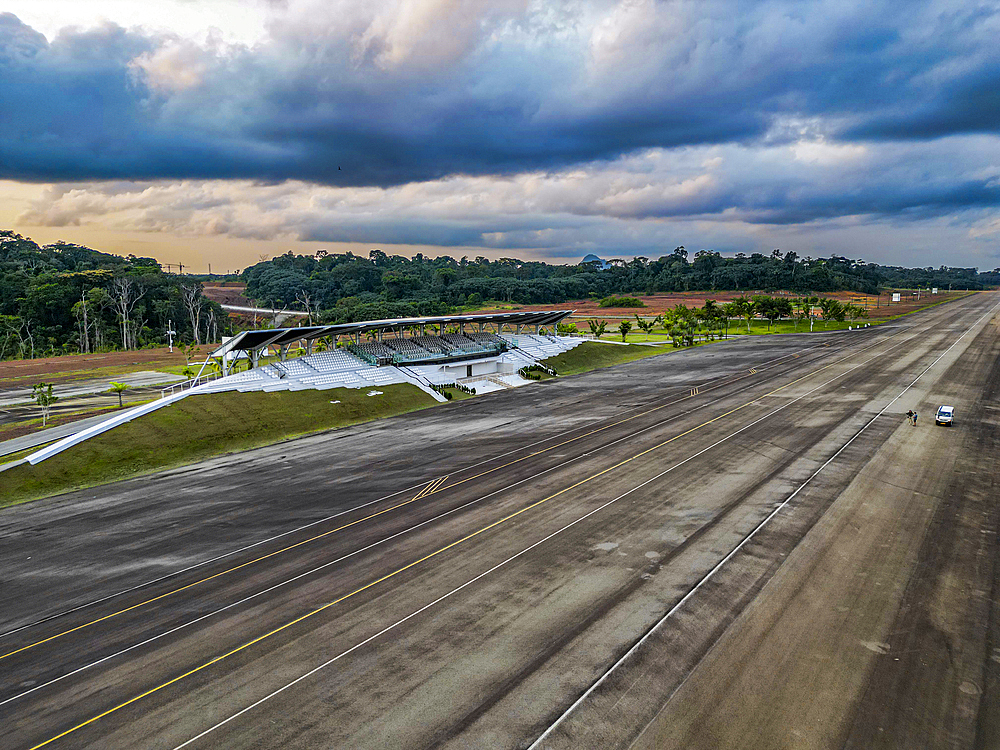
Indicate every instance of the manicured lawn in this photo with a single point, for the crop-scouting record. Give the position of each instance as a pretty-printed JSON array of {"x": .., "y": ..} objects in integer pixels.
[
  {"x": 590, "y": 355},
  {"x": 201, "y": 426},
  {"x": 457, "y": 395}
]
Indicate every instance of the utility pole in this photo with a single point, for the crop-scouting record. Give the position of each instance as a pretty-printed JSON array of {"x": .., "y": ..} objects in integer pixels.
[{"x": 170, "y": 335}]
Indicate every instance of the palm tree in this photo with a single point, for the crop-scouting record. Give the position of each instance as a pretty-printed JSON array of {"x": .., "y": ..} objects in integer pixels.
[
  {"x": 711, "y": 315},
  {"x": 623, "y": 328},
  {"x": 747, "y": 308},
  {"x": 646, "y": 326},
  {"x": 799, "y": 308},
  {"x": 812, "y": 302},
  {"x": 730, "y": 310},
  {"x": 118, "y": 388},
  {"x": 598, "y": 329}
]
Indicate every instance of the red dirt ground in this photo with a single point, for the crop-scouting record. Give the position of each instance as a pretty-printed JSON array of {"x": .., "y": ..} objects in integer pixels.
[
  {"x": 230, "y": 293},
  {"x": 20, "y": 372},
  {"x": 878, "y": 307}
]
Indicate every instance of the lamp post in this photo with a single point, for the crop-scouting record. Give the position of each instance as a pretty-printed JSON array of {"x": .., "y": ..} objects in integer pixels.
[{"x": 170, "y": 335}]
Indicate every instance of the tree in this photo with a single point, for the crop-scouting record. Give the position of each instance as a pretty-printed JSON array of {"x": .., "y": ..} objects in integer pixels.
[
  {"x": 304, "y": 298},
  {"x": 598, "y": 329},
  {"x": 189, "y": 352},
  {"x": 812, "y": 302},
  {"x": 646, "y": 326},
  {"x": 772, "y": 308},
  {"x": 125, "y": 295},
  {"x": 16, "y": 337},
  {"x": 623, "y": 328},
  {"x": 730, "y": 310},
  {"x": 746, "y": 309},
  {"x": 854, "y": 312},
  {"x": 712, "y": 316},
  {"x": 118, "y": 388},
  {"x": 211, "y": 325},
  {"x": 800, "y": 307},
  {"x": 839, "y": 311},
  {"x": 832, "y": 310},
  {"x": 193, "y": 301},
  {"x": 79, "y": 310},
  {"x": 43, "y": 396}
]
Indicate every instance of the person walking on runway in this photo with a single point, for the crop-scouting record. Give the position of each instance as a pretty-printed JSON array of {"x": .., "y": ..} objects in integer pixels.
[{"x": 909, "y": 417}]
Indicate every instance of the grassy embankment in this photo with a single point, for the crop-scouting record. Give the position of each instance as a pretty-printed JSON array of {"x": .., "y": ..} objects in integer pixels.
[
  {"x": 201, "y": 426},
  {"x": 590, "y": 355},
  {"x": 28, "y": 426}
]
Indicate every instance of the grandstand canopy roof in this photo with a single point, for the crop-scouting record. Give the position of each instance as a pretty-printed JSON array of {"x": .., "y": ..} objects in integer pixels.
[{"x": 251, "y": 340}]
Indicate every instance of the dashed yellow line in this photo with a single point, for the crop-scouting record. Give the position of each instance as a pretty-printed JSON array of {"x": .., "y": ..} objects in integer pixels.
[
  {"x": 432, "y": 488},
  {"x": 396, "y": 572}
]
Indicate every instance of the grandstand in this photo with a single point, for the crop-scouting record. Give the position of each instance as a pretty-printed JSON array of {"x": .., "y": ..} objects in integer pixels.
[
  {"x": 428, "y": 352},
  {"x": 462, "y": 351}
]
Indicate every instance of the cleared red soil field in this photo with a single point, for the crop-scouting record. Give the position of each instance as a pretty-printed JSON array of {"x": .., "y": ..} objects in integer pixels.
[
  {"x": 14, "y": 373},
  {"x": 227, "y": 294},
  {"x": 877, "y": 306}
]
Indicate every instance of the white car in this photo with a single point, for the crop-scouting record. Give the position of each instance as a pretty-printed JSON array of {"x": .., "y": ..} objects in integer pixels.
[{"x": 945, "y": 415}]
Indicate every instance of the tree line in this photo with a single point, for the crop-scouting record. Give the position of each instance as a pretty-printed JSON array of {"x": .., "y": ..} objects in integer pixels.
[
  {"x": 65, "y": 298},
  {"x": 339, "y": 288}
]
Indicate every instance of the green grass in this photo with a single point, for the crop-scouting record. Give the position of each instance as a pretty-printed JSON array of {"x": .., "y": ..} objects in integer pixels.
[
  {"x": 60, "y": 418},
  {"x": 758, "y": 327},
  {"x": 201, "y": 426},
  {"x": 11, "y": 457},
  {"x": 590, "y": 355},
  {"x": 457, "y": 395}
]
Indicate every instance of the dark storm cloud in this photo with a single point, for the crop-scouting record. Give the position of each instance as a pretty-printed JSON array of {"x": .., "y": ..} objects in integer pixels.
[{"x": 315, "y": 104}]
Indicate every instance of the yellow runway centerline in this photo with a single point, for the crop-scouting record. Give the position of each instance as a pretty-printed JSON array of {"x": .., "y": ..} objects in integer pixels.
[{"x": 432, "y": 488}]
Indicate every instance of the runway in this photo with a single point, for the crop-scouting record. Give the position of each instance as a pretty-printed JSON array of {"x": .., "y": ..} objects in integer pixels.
[{"x": 741, "y": 545}]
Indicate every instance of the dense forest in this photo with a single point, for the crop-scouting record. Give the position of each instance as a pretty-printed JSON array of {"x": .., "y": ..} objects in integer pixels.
[
  {"x": 346, "y": 287},
  {"x": 64, "y": 298}
]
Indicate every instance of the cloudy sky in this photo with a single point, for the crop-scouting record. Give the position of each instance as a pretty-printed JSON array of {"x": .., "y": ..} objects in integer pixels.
[{"x": 221, "y": 131}]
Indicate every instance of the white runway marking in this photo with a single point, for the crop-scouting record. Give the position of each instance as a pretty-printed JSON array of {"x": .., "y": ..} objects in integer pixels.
[
  {"x": 708, "y": 576},
  {"x": 303, "y": 527},
  {"x": 561, "y": 530}
]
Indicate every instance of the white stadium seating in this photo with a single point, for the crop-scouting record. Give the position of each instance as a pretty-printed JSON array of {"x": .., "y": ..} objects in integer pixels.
[{"x": 342, "y": 369}]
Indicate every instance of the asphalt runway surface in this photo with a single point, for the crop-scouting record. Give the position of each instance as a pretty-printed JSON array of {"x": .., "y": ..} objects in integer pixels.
[{"x": 743, "y": 545}]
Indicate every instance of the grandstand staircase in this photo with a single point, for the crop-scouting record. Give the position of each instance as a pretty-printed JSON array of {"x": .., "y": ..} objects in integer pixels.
[{"x": 498, "y": 380}]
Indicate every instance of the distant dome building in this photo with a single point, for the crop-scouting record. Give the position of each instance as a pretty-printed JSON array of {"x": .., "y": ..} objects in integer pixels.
[{"x": 591, "y": 258}]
